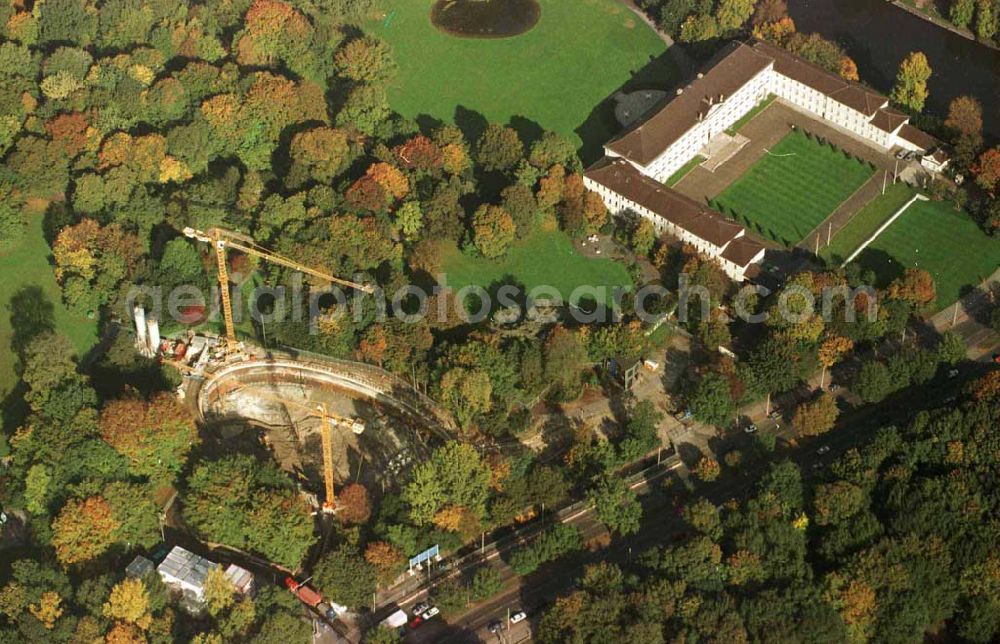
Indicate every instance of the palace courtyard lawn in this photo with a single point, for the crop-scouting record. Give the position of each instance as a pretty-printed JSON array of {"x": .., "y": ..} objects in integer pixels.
[{"x": 793, "y": 188}]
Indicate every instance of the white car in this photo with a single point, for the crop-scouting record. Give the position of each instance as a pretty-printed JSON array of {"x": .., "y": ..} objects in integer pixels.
[
  {"x": 823, "y": 450},
  {"x": 420, "y": 608},
  {"x": 431, "y": 612},
  {"x": 749, "y": 429},
  {"x": 952, "y": 373},
  {"x": 518, "y": 616}
]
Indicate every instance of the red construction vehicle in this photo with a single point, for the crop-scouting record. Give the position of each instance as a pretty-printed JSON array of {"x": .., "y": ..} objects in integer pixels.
[{"x": 314, "y": 600}]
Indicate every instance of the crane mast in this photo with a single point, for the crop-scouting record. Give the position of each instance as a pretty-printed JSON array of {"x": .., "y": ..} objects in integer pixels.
[
  {"x": 222, "y": 239},
  {"x": 328, "y": 421}
]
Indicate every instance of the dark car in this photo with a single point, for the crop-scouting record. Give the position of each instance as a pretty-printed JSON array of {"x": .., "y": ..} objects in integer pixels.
[{"x": 495, "y": 626}]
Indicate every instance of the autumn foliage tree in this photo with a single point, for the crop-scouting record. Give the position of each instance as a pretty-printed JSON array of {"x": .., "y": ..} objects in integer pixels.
[
  {"x": 155, "y": 436},
  {"x": 817, "y": 416},
  {"x": 387, "y": 560},
  {"x": 319, "y": 154},
  {"x": 83, "y": 531},
  {"x": 492, "y": 230},
  {"x": 987, "y": 169},
  {"x": 910, "y": 90},
  {"x": 353, "y": 506}
]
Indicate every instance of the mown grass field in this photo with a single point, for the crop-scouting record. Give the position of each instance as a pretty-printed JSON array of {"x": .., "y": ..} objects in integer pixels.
[
  {"x": 791, "y": 190},
  {"x": 544, "y": 258},
  {"x": 933, "y": 236},
  {"x": 28, "y": 281},
  {"x": 555, "y": 75},
  {"x": 864, "y": 224}
]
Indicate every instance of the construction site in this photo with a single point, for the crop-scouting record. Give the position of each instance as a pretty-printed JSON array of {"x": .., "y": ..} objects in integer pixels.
[{"x": 328, "y": 422}]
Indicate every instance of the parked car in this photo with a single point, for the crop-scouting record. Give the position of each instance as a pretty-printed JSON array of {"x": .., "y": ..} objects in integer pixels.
[
  {"x": 517, "y": 616},
  {"x": 749, "y": 429},
  {"x": 495, "y": 626},
  {"x": 431, "y": 612},
  {"x": 416, "y": 621},
  {"x": 420, "y": 608},
  {"x": 823, "y": 450},
  {"x": 775, "y": 414},
  {"x": 952, "y": 373}
]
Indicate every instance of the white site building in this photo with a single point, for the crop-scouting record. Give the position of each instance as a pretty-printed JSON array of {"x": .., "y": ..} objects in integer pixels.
[{"x": 637, "y": 163}]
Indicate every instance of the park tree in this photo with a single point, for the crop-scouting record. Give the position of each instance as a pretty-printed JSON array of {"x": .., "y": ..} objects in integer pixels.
[
  {"x": 318, "y": 154},
  {"x": 519, "y": 201},
  {"x": 220, "y": 593},
  {"x": 365, "y": 109},
  {"x": 910, "y": 90},
  {"x": 874, "y": 382},
  {"x": 499, "y": 148},
  {"x": 778, "y": 32},
  {"x": 467, "y": 393},
  {"x": 733, "y": 14},
  {"x": 248, "y": 505},
  {"x": 832, "y": 351},
  {"x": 387, "y": 560},
  {"x": 707, "y": 469},
  {"x": 915, "y": 286},
  {"x": 410, "y": 219},
  {"x": 987, "y": 170},
  {"x": 698, "y": 28},
  {"x": 129, "y": 603},
  {"x": 391, "y": 178},
  {"x": 837, "y": 502},
  {"x": 951, "y": 348},
  {"x": 420, "y": 153},
  {"x": 455, "y": 476},
  {"x": 486, "y": 582},
  {"x": 552, "y": 149},
  {"x": 961, "y": 12},
  {"x": 643, "y": 237},
  {"x": 986, "y": 19},
  {"x": 712, "y": 401},
  {"x": 965, "y": 117},
  {"x": 83, "y": 531},
  {"x": 353, "y": 506},
  {"x": 565, "y": 358},
  {"x": 365, "y": 60},
  {"x": 817, "y": 416},
  {"x": 493, "y": 230},
  {"x": 345, "y": 577},
  {"x": 616, "y": 505},
  {"x": 155, "y": 436}
]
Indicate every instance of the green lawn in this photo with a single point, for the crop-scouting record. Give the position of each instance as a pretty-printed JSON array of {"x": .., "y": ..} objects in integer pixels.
[
  {"x": 544, "y": 258},
  {"x": 932, "y": 236},
  {"x": 28, "y": 276},
  {"x": 792, "y": 189},
  {"x": 683, "y": 171},
  {"x": 555, "y": 75},
  {"x": 864, "y": 224},
  {"x": 749, "y": 116}
]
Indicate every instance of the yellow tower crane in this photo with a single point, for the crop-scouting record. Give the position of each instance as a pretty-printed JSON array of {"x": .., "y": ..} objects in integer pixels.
[
  {"x": 222, "y": 239},
  {"x": 328, "y": 422}
]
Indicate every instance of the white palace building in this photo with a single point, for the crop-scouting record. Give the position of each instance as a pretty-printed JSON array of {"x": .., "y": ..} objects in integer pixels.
[{"x": 630, "y": 177}]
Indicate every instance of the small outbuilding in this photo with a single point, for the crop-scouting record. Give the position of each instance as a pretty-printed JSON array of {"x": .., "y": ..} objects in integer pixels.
[
  {"x": 242, "y": 580},
  {"x": 185, "y": 572},
  {"x": 139, "y": 568}
]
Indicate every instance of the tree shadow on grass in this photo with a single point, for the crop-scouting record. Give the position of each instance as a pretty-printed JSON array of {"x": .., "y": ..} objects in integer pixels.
[
  {"x": 885, "y": 267},
  {"x": 31, "y": 315},
  {"x": 471, "y": 122}
]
